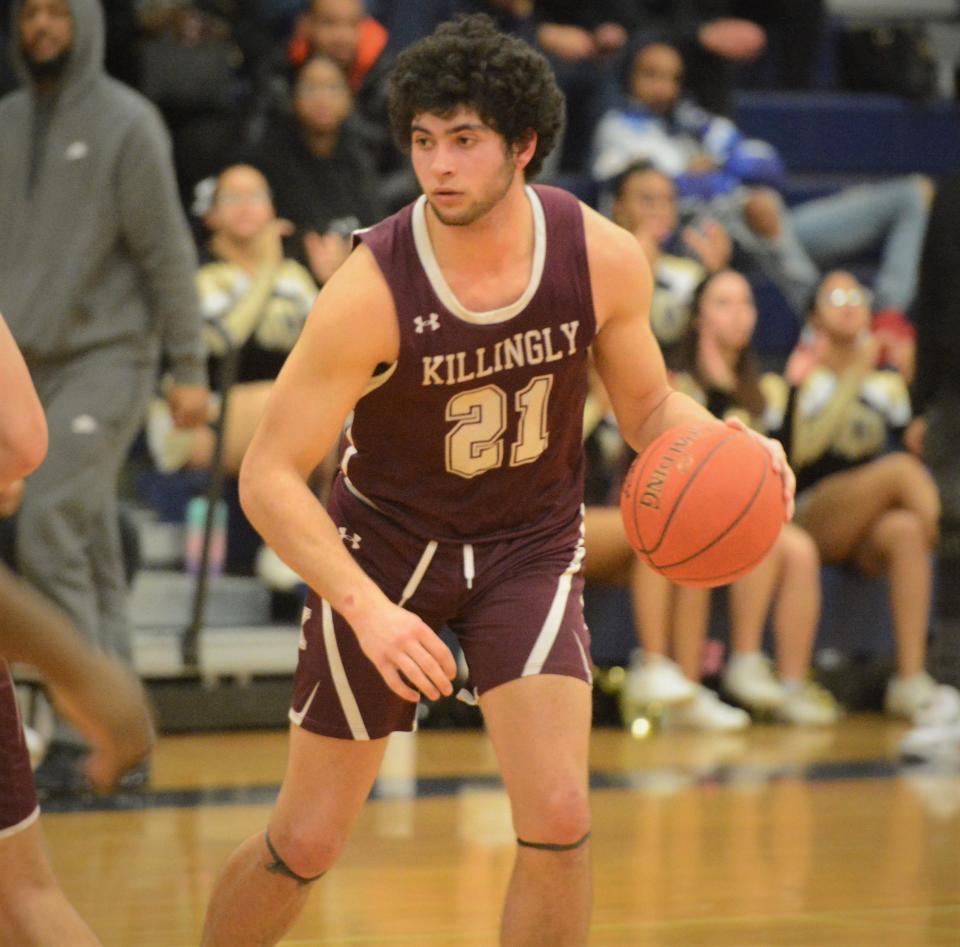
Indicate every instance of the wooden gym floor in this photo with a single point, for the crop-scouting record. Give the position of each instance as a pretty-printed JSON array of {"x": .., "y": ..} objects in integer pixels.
[{"x": 781, "y": 836}]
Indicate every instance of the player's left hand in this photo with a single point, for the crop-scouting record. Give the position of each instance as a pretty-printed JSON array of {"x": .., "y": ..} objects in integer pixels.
[
  {"x": 189, "y": 405},
  {"x": 778, "y": 458}
]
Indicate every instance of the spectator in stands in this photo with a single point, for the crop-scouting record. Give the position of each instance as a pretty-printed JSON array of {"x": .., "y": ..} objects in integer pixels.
[
  {"x": 719, "y": 373},
  {"x": 645, "y": 203},
  {"x": 874, "y": 510},
  {"x": 254, "y": 301},
  {"x": 719, "y": 37},
  {"x": 319, "y": 171},
  {"x": 356, "y": 42},
  {"x": 719, "y": 172},
  {"x": 712, "y": 38},
  {"x": 190, "y": 62},
  {"x": 96, "y": 277},
  {"x": 581, "y": 41},
  {"x": 406, "y": 23}
]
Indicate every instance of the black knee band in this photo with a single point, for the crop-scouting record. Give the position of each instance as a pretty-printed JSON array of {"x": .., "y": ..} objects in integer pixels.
[
  {"x": 552, "y": 847},
  {"x": 279, "y": 867}
]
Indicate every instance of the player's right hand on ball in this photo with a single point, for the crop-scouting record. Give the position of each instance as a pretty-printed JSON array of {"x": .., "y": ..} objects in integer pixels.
[{"x": 406, "y": 651}]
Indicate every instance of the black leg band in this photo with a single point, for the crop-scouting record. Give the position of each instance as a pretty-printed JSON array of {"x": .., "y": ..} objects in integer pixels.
[
  {"x": 551, "y": 847},
  {"x": 279, "y": 867}
]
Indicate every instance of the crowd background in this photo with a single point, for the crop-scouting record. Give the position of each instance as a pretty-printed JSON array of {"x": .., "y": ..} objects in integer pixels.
[{"x": 274, "y": 113}]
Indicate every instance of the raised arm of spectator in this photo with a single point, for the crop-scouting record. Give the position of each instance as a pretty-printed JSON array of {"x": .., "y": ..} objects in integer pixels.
[
  {"x": 23, "y": 428},
  {"x": 156, "y": 230},
  {"x": 749, "y": 159}
]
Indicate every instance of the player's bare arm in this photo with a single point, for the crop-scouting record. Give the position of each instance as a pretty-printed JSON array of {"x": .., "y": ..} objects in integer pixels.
[
  {"x": 98, "y": 694},
  {"x": 626, "y": 352},
  {"x": 350, "y": 331},
  {"x": 23, "y": 429}
]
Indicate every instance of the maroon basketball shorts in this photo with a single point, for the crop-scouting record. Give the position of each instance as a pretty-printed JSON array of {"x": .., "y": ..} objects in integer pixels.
[
  {"x": 18, "y": 801},
  {"x": 515, "y": 606}
]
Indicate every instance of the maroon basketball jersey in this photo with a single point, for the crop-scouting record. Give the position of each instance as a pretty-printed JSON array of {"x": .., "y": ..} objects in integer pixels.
[{"x": 475, "y": 431}]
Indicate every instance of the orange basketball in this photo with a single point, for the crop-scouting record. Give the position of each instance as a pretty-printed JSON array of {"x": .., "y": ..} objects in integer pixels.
[{"x": 702, "y": 505}]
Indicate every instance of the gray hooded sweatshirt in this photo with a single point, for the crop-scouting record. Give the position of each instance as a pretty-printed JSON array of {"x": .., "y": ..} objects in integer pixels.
[{"x": 94, "y": 247}]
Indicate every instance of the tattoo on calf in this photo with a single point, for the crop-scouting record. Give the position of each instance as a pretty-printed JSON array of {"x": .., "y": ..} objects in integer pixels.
[{"x": 279, "y": 867}]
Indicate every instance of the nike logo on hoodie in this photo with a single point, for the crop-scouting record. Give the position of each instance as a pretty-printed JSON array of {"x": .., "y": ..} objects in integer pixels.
[{"x": 77, "y": 150}]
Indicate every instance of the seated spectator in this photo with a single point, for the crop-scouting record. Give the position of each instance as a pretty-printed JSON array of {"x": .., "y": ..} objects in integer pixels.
[
  {"x": 406, "y": 23},
  {"x": 188, "y": 62},
  {"x": 865, "y": 507},
  {"x": 720, "y": 374},
  {"x": 645, "y": 203},
  {"x": 357, "y": 43},
  {"x": 319, "y": 171},
  {"x": 720, "y": 173},
  {"x": 581, "y": 41},
  {"x": 711, "y": 35},
  {"x": 254, "y": 301}
]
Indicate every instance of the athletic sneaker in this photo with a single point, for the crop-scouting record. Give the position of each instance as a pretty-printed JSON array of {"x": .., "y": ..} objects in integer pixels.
[
  {"x": 657, "y": 680},
  {"x": 169, "y": 446},
  {"x": 922, "y": 700},
  {"x": 36, "y": 745},
  {"x": 706, "y": 712},
  {"x": 750, "y": 681},
  {"x": 809, "y": 705},
  {"x": 274, "y": 573},
  {"x": 932, "y": 744}
]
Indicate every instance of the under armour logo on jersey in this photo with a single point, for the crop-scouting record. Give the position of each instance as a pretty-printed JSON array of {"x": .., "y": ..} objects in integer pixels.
[
  {"x": 353, "y": 539},
  {"x": 433, "y": 321}
]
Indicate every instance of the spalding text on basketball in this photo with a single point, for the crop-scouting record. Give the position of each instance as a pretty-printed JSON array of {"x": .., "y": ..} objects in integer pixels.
[{"x": 675, "y": 458}]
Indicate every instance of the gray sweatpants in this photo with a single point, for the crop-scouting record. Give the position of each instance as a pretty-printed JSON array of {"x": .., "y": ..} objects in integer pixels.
[
  {"x": 68, "y": 540},
  {"x": 832, "y": 231}
]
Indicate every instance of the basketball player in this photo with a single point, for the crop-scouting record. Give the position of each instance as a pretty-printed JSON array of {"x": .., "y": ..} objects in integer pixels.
[
  {"x": 95, "y": 692},
  {"x": 458, "y": 334}
]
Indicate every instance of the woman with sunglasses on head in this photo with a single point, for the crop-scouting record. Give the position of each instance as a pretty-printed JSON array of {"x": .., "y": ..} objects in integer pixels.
[{"x": 866, "y": 502}]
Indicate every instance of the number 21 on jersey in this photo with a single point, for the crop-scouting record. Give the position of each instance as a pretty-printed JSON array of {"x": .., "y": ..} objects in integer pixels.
[{"x": 475, "y": 444}]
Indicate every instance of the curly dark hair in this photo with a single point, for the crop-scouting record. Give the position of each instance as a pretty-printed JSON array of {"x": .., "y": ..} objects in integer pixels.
[{"x": 468, "y": 62}]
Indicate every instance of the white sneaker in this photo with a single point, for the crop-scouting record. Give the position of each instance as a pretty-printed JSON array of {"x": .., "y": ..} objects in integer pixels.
[
  {"x": 169, "y": 446},
  {"x": 934, "y": 743},
  {"x": 922, "y": 700},
  {"x": 809, "y": 705},
  {"x": 36, "y": 745},
  {"x": 749, "y": 679},
  {"x": 706, "y": 712},
  {"x": 657, "y": 680},
  {"x": 274, "y": 573}
]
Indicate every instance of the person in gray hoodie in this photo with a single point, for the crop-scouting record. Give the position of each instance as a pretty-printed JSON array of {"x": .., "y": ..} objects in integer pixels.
[{"x": 96, "y": 280}]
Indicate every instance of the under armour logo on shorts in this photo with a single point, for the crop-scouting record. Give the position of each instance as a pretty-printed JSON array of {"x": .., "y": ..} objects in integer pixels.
[
  {"x": 353, "y": 539},
  {"x": 433, "y": 321}
]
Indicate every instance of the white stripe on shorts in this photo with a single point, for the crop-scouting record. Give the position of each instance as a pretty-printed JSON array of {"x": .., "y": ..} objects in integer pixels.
[
  {"x": 551, "y": 626},
  {"x": 347, "y": 700},
  {"x": 21, "y": 825}
]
